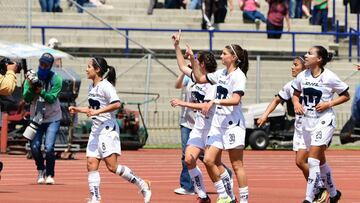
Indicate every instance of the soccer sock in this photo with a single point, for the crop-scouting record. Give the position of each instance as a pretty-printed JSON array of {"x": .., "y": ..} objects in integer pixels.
[
  {"x": 225, "y": 177},
  {"x": 244, "y": 194},
  {"x": 314, "y": 178},
  {"x": 128, "y": 175},
  {"x": 94, "y": 185},
  {"x": 326, "y": 175},
  {"x": 197, "y": 178},
  {"x": 220, "y": 189}
]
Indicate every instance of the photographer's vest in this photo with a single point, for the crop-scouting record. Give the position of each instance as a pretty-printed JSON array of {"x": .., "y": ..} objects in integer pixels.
[{"x": 52, "y": 111}]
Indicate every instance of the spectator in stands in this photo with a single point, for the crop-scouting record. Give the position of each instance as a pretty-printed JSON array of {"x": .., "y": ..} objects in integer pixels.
[
  {"x": 57, "y": 7},
  {"x": 187, "y": 121},
  {"x": 320, "y": 14},
  {"x": 195, "y": 4},
  {"x": 250, "y": 13},
  {"x": 218, "y": 9},
  {"x": 306, "y": 5},
  {"x": 175, "y": 4},
  {"x": 44, "y": 100},
  {"x": 54, "y": 44},
  {"x": 47, "y": 5},
  {"x": 278, "y": 11},
  {"x": 295, "y": 8}
]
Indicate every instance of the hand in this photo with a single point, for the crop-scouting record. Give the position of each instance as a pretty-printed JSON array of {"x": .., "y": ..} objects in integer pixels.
[
  {"x": 323, "y": 106},
  {"x": 37, "y": 90},
  {"x": 92, "y": 112},
  {"x": 299, "y": 109},
  {"x": 189, "y": 53},
  {"x": 261, "y": 121},
  {"x": 207, "y": 107},
  {"x": 176, "y": 38},
  {"x": 72, "y": 110},
  {"x": 176, "y": 102},
  {"x": 231, "y": 8}
]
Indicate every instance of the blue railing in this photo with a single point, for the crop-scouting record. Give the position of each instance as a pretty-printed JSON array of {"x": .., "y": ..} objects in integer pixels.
[{"x": 127, "y": 31}]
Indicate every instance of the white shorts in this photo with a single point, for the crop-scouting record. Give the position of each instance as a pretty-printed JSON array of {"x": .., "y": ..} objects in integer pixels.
[
  {"x": 227, "y": 138},
  {"x": 198, "y": 138},
  {"x": 299, "y": 141},
  {"x": 104, "y": 140},
  {"x": 321, "y": 134}
]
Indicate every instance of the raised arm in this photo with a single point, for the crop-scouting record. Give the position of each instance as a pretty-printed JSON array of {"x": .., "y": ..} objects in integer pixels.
[
  {"x": 179, "y": 81},
  {"x": 179, "y": 56},
  {"x": 199, "y": 76}
]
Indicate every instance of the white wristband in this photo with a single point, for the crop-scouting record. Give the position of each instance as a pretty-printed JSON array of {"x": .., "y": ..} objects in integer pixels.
[{"x": 217, "y": 101}]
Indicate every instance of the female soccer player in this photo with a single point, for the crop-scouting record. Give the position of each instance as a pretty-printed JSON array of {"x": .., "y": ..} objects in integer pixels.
[
  {"x": 104, "y": 139},
  {"x": 317, "y": 86},
  {"x": 228, "y": 123}
]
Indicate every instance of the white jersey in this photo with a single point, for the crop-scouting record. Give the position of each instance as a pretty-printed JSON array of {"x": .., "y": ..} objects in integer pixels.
[
  {"x": 318, "y": 90},
  {"x": 187, "y": 118},
  {"x": 101, "y": 95},
  {"x": 227, "y": 84},
  {"x": 201, "y": 93}
]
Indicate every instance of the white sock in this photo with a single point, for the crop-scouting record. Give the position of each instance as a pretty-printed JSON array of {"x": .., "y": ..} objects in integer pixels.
[
  {"x": 314, "y": 179},
  {"x": 128, "y": 175},
  {"x": 225, "y": 177},
  {"x": 220, "y": 189},
  {"x": 94, "y": 185},
  {"x": 326, "y": 175},
  {"x": 197, "y": 178},
  {"x": 244, "y": 194}
]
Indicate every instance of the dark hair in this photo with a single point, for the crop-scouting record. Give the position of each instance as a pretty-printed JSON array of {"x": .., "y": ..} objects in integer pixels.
[
  {"x": 302, "y": 61},
  {"x": 99, "y": 62},
  {"x": 324, "y": 55},
  {"x": 242, "y": 55},
  {"x": 208, "y": 59}
]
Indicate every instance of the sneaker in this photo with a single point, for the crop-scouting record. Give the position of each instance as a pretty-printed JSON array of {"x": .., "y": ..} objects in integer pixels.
[
  {"x": 305, "y": 201},
  {"x": 321, "y": 196},
  {"x": 146, "y": 192},
  {"x": 336, "y": 198},
  {"x": 257, "y": 23},
  {"x": 203, "y": 200},
  {"x": 346, "y": 138},
  {"x": 40, "y": 178},
  {"x": 50, "y": 180},
  {"x": 226, "y": 200},
  {"x": 183, "y": 191}
]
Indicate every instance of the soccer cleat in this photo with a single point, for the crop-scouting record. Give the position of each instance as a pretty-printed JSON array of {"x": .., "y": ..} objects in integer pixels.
[
  {"x": 183, "y": 191},
  {"x": 93, "y": 201},
  {"x": 321, "y": 196},
  {"x": 234, "y": 201},
  {"x": 305, "y": 201},
  {"x": 336, "y": 198},
  {"x": 222, "y": 200},
  {"x": 50, "y": 180},
  {"x": 146, "y": 192},
  {"x": 40, "y": 178},
  {"x": 203, "y": 200}
]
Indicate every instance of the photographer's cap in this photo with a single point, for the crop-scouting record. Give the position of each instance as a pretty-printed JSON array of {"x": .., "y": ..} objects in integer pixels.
[{"x": 47, "y": 59}]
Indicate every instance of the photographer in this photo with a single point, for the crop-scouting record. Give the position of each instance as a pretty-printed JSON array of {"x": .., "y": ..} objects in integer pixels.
[
  {"x": 7, "y": 81},
  {"x": 8, "y": 77},
  {"x": 42, "y": 90}
]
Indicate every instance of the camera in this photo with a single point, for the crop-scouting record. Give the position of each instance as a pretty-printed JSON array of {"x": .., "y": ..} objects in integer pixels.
[
  {"x": 33, "y": 79},
  {"x": 30, "y": 131},
  {"x": 4, "y": 62}
]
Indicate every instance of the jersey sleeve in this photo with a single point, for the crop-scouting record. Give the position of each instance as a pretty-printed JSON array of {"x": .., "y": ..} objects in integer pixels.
[
  {"x": 213, "y": 78},
  {"x": 337, "y": 85},
  {"x": 285, "y": 93},
  {"x": 110, "y": 93},
  {"x": 239, "y": 84},
  {"x": 296, "y": 84}
]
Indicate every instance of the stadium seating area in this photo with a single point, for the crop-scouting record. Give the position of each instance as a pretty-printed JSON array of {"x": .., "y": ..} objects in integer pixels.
[{"x": 163, "y": 125}]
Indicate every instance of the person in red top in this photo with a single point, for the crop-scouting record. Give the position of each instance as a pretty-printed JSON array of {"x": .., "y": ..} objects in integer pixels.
[{"x": 278, "y": 11}]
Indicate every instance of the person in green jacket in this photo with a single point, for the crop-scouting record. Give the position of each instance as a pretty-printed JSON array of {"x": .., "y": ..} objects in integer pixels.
[
  {"x": 43, "y": 96},
  {"x": 320, "y": 14}
]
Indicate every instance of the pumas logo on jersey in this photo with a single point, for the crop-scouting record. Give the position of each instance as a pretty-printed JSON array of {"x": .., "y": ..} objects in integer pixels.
[
  {"x": 312, "y": 84},
  {"x": 222, "y": 82}
]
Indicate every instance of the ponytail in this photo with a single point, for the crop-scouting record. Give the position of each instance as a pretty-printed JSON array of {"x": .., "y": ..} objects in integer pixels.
[
  {"x": 241, "y": 54},
  {"x": 111, "y": 76},
  {"x": 324, "y": 55}
]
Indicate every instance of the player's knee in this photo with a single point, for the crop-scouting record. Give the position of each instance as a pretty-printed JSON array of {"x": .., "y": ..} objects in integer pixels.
[
  {"x": 209, "y": 161},
  {"x": 190, "y": 161}
]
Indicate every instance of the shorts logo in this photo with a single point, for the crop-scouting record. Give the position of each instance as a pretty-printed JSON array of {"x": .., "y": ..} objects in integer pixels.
[
  {"x": 318, "y": 135},
  {"x": 323, "y": 122},
  {"x": 103, "y": 146},
  {"x": 231, "y": 138}
]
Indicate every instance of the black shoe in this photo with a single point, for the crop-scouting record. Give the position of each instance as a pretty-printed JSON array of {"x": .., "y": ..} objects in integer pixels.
[
  {"x": 321, "y": 196},
  {"x": 1, "y": 166},
  {"x": 336, "y": 198},
  {"x": 346, "y": 138},
  {"x": 305, "y": 201}
]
